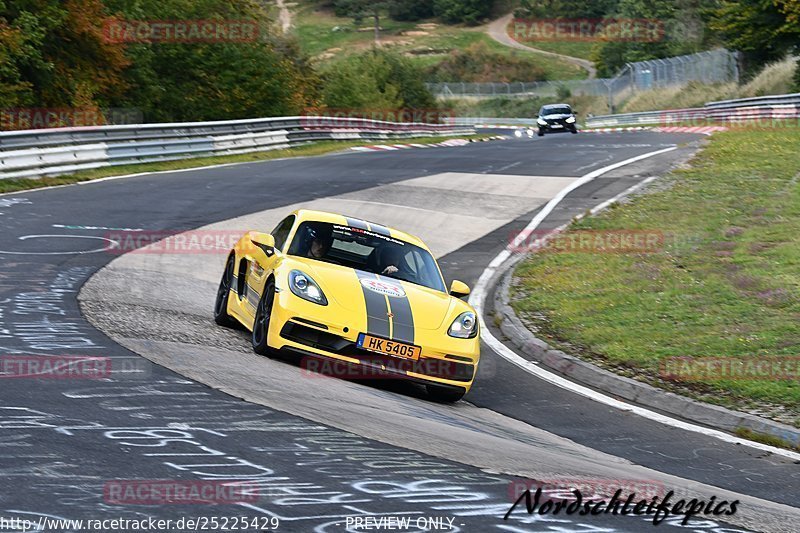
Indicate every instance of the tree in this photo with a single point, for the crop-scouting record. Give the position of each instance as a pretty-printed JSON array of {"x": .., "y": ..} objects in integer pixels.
[
  {"x": 791, "y": 8},
  {"x": 565, "y": 8},
  {"x": 377, "y": 80},
  {"x": 55, "y": 54},
  {"x": 361, "y": 9},
  {"x": 463, "y": 11},
  {"x": 14, "y": 90},
  {"x": 176, "y": 81},
  {"x": 411, "y": 9},
  {"x": 765, "y": 30},
  {"x": 682, "y": 32}
]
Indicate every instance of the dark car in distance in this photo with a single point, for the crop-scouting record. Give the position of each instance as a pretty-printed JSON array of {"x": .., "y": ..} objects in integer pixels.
[{"x": 556, "y": 118}]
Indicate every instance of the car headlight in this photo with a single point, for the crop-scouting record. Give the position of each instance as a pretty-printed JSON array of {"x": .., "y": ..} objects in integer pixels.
[
  {"x": 465, "y": 326},
  {"x": 570, "y": 120},
  {"x": 306, "y": 288},
  {"x": 541, "y": 122}
]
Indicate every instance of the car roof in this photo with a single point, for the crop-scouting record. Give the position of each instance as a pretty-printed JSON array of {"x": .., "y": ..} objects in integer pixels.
[{"x": 310, "y": 215}]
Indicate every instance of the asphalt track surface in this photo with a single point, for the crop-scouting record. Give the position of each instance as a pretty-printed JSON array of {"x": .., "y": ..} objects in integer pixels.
[{"x": 63, "y": 440}]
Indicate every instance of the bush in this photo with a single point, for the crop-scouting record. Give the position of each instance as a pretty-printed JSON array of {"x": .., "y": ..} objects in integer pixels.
[
  {"x": 377, "y": 79},
  {"x": 478, "y": 64},
  {"x": 797, "y": 76},
  {"x": 466, "y": 11},
  {"x": 411, "y": 10}
]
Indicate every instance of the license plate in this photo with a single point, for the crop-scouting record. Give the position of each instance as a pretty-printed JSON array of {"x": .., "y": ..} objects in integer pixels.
[
  {"x": 387, "y": 347},
  {"x": 556, "y": 126}
]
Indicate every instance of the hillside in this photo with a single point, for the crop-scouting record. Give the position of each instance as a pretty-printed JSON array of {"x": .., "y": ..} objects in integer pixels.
[{"x": 429, "y": 42}]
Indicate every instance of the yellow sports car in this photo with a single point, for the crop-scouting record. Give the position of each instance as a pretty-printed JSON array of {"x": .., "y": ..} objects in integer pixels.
[{"x": 335, "y": 288}]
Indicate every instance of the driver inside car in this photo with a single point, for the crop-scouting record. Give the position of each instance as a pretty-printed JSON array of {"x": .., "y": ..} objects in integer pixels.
[
  {"x": 320, "y": 242},
  {"x": 393, "y": 261}
]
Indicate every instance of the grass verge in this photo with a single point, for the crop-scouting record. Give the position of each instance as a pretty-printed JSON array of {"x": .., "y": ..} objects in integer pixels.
[
  {"x": 774, "y": 78},
  {"x": 523, "y": 107},
  {"x": 313, "y": 149},
  {"x": 725, "y": 284},
  {"x": 769, "y": 440}
]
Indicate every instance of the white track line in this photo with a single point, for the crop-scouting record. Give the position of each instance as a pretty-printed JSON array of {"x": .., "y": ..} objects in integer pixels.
[{"x": 479, "y": 295}]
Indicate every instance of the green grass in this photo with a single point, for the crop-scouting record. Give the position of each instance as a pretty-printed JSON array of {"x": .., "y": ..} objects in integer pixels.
[
  {"x": 555, "y": 69},
  {"x": 523, "y": 107},
  {"x": 774, "y": 78},
  {"x": 312, "y": 149},
  {"x": 769, "y": 440},
  {"x": 725, "y": 285},
  {"x": 581, "y": 49},
  {"x": 314, "y": 29}
]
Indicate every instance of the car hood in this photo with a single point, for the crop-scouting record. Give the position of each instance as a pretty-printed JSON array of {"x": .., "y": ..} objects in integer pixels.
[{"x": 411, "y": 306}]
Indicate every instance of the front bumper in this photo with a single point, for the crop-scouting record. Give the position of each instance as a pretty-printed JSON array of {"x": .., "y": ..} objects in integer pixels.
[
  {"x": 317, "y": 332},
  {"x": 557, "y": 127}
]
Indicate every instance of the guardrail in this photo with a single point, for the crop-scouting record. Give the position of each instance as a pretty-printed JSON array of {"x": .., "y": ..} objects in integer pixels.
[
  {"x": 492, "y": 121},
  {"x": 36, "y": 153},
  {"x": 779, "y": 107}
]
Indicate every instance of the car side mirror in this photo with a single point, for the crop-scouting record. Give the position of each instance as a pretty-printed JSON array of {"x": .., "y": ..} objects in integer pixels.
[
  {"x": 265, "y": 241},
  {"x": 458, "y": 289}
]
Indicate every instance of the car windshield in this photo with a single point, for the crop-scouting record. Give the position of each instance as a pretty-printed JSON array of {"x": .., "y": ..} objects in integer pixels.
[
  {"x": 559, "y": 110},
  {"x": 366, "y": 250}
]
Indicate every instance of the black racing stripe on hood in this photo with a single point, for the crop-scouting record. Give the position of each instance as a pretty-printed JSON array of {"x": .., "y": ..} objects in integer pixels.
[
  {"x": 356, "y": 223},
  {"x": 377, "y": 312},
  {"x": 403, "y": 322},
  {"x": 380, "y": 230}
]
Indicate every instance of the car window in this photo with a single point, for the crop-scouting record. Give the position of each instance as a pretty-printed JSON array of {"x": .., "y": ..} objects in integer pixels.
[
  {"x": 282, "y": 230},
  {"x": 556, "y": 110},
  {"x": 368, "y": 251}
]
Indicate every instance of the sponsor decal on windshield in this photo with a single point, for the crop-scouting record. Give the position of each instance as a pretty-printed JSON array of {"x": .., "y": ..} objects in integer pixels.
[{"x": 363, "y": 231}]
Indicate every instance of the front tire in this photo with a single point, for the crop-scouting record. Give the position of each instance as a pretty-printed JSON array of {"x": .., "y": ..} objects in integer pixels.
[
  {"x": 221, "y": 316},
  {"x": 441, "y": 394},
  {"x": 540, "y": 133},
  {"x": 261, "y": 323}
]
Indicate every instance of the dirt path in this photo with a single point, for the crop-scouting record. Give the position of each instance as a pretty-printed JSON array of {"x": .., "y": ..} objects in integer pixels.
[
  {"x": 284, "y": 16},
  {"x": 497, "y": 31}
]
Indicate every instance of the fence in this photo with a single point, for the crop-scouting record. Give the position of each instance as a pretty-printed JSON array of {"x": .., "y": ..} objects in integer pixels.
[
  {"x": 713, "y": 66},
  {"x": 774, "y": 109},
  {"x": 34, "y": 153}
]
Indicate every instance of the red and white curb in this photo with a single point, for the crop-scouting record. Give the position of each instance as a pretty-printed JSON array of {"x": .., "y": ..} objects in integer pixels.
[
  {"x": 704, "y": 130},
  {"x": 447, "y": 143}
]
